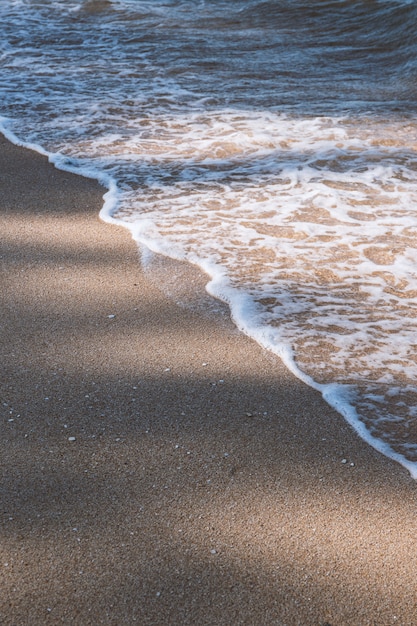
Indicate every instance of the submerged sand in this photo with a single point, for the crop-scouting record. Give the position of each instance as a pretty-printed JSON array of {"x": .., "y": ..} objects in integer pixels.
[{"x": 158, "y": 467}]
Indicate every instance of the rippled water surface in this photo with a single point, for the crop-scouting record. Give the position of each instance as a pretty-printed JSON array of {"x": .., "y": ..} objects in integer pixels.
[{"x": 272, "y": 143}]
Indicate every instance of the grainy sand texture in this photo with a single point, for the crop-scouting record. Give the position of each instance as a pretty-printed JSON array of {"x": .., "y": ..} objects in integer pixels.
[{"x": 157, "y": 466}]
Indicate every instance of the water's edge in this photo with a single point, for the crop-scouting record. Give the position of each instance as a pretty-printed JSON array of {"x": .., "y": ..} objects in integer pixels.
[{"x": 335, "y": 395}]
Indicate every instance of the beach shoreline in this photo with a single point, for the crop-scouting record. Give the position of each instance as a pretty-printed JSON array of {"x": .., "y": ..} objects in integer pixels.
[{"x": 158, "y": 466}]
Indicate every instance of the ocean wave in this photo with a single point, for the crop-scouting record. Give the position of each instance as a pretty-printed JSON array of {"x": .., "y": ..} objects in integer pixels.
[{"x": 272, "y": 143}]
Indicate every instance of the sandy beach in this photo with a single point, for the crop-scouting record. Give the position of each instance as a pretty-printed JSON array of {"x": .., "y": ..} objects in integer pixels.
[{"x": 157, "y": 466}]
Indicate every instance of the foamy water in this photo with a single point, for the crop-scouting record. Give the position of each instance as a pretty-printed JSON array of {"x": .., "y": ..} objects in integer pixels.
[{"x": 271, "y": 143}]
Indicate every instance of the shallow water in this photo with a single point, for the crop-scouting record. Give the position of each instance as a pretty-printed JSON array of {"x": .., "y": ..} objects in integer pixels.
[{"x": 271, "y": 143}]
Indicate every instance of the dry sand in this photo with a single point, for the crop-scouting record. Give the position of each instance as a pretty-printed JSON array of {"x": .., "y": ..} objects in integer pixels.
[{"x": 205, "y": 484}]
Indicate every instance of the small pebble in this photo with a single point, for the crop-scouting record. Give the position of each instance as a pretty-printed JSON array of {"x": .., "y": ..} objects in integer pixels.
[{"x": 71, "y": 438}]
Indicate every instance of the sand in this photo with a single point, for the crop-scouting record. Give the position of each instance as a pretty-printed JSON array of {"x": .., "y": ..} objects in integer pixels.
[{"x": 158, "y": 467}]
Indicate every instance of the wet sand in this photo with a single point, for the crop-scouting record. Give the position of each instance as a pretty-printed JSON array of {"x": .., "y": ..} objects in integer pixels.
[{"x": 158, "y": 467}]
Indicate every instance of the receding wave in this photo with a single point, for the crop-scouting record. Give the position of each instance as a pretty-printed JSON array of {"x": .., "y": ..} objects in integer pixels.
[{"x": 273, "y": 143}]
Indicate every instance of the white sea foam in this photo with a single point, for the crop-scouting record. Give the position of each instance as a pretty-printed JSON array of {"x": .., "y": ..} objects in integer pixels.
[{"x": 304, "y": 220}]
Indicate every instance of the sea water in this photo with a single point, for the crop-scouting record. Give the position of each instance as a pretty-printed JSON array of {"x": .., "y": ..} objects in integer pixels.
[{"x": 273, "y": 144}]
